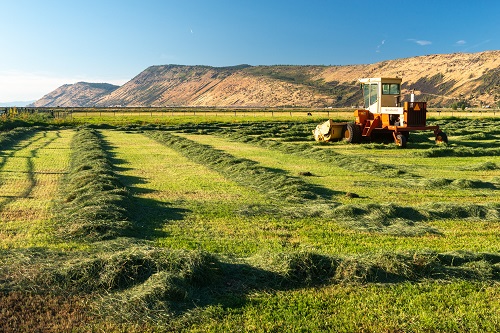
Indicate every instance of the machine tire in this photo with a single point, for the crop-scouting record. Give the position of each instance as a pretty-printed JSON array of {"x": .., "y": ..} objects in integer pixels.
[
  {"x": 401, "y": 140},
  {"x": 441, "y": 137},
  {"x": 352, "y": 133}
]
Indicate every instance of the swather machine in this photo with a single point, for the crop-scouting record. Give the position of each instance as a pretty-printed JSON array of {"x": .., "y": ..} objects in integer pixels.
[{"x": 383, "y": 116}]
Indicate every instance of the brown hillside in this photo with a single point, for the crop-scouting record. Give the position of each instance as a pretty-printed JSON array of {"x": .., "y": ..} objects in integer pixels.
[
  {"x": 174, "y": 85},
  {"x": 74, "y": 95},
  {"x": 439, "y": 79}
]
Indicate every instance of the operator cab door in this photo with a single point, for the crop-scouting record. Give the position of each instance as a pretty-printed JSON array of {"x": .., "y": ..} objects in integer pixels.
[{"x": 371, "y": 97}]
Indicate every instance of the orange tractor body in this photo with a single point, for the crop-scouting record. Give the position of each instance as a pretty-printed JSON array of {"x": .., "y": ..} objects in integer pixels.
[{"x": 383, "y": 115}]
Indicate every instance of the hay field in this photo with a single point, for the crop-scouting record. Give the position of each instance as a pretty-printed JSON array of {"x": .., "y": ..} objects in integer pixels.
[{"x": 250, "y": 226}]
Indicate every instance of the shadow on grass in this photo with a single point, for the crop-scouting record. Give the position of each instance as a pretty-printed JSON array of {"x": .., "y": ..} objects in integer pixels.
[
  {"x": 30, "y": 156},
  {"x": 148, "y": 216},
  {"x": 200, "y": 280}
]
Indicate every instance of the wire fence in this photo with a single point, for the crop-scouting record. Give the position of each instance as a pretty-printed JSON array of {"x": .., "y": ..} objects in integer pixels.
[{"x": 224, "y": 112}]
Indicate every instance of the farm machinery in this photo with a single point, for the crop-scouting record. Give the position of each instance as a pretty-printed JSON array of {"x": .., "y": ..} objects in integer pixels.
[{"x": 384, "y": 116}]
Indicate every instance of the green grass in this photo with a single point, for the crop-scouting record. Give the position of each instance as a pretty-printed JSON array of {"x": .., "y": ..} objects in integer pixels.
[
  {"x": 93, "y": 203},
  {"x": 250, "y": 225},
  {"x": 429, "y": 307},
  {"x": 30, "y": 172}
]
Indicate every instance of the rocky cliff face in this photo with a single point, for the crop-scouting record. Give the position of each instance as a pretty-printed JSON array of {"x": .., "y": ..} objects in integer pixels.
[
  {"x": 438, "y": 79},
  {"x": 75, "y": 95}
]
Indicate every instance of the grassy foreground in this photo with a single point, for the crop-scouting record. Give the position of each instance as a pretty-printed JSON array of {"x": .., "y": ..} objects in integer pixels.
[{"x": 248, "y": 226}]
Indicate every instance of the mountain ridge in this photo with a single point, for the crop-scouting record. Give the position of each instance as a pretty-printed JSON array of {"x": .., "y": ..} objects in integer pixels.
[
  {"x": 440, "y": 79},
  {"x": 79, "y": 94}
]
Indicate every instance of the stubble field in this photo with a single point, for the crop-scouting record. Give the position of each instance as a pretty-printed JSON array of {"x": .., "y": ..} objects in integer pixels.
[{"x": 249, "y": 226}]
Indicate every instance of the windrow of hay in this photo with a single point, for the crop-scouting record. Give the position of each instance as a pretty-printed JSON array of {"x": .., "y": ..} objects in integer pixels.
[
  {"x": 459, "y": 183},
  {"x": 476, "y": 128},
  {"x": 486, "y": 166},
  {"x": 140, "y": 283},
  {"x": 274, "y": 135},
  {"x": 325, "y": 156},
  {"x": 408, "y": 221},
  {"x": 479, "y": 136},
  {"x": 143, "y": 284},
  {"x": 308, "y": 268},
  {"x": 140, "y": 270},
  {"x": 441, "y": 210},
  {"x": 11, "y": 137},
  {"x": 448, "y": 151},
  {"x": 134, "y": 282},
  {"x": 390, "y": 219},
  {"x": 93, "y": 202},
  {"x": 243, "y": 171},
  {"x": 198, "y": 279},
  {"x": 151, "y": 285},
  {"x": 126, "y": 268}
]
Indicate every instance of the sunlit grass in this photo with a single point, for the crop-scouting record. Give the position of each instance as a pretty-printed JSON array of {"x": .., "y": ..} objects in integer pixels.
[
  {"x": 201, "y": 213},
  {"x": 427, "y": 307},
  {"x": 30, "y": 178},
  {"x": 212, "y": 250}
]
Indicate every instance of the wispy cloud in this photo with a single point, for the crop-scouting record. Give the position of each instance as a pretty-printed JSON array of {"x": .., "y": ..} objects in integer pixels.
[
  {"x": 460, "y": 42},
  {"x": 420, "y": 41},
  {"x": 379, "y": 46}
]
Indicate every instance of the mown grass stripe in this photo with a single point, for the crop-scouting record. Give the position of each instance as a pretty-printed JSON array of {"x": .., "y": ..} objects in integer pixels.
[
  {"x": 245, "y": 172},
  {"x": 93, "y": 202},
  {"x": 29, "y": 176},
  {"x": 388, "y": 218},
  {"x": 270, "y": 135}
]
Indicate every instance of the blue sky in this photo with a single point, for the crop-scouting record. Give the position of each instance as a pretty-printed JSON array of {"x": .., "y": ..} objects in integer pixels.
[{"x": 44, "y": 44}]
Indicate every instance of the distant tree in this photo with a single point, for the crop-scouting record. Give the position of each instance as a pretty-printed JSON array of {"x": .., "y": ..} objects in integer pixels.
[{"x": 460, "y": 105}]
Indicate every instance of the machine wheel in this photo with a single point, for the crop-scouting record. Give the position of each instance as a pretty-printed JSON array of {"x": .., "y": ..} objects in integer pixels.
[
  {"x": 352, "y": 133},
  {"x": 441, "y": 137},
  {"x": 401, "y": 140}
]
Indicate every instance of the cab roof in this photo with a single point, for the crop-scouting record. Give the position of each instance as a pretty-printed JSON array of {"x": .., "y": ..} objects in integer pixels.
[{"x": 381, "y": 79}]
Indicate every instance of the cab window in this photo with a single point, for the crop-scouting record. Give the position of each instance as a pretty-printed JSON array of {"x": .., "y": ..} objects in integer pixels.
[
  {"x": 391, "y": 89},
  {"x": 370, "y": 92}
]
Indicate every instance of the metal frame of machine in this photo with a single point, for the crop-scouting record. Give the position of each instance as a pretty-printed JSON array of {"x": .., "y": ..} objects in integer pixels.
[{"x": 384, "y": 114}]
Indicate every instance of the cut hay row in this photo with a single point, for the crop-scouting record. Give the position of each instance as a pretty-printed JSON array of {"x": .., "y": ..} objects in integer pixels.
[
  {"x": 275, "y": 135},
  {"x": 458, "y": 152},
  {"x": 245, "y": 172},
  {"x": 391, "y": 218},
  {"x": 477, "y": 128},
  {"x": 11, "y": 137},
  {"x": 143, "y": 284},
  {"x": 93, "y": 202},
  {"x": 444, "y": 183},
  {"x": 344, "y": 182},
  {"x": 325, "y": 156},
  {"x": 129, "y": 283}
]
